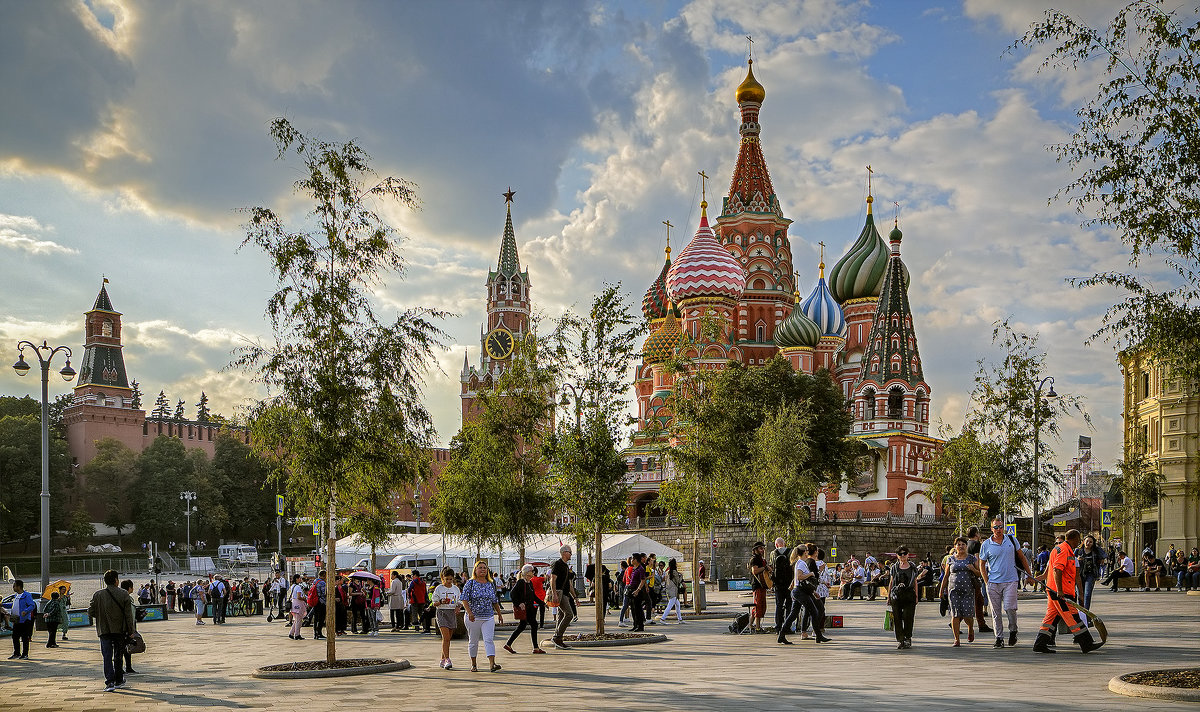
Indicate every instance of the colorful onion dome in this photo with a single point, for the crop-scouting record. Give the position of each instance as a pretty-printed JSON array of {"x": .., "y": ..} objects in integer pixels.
[
  {"x": 665, "y": 339},
  {"x": 750, "y": 89},
  {"x": 797, "y": 330},
  {"x": 860, "y": 272},
  {"x": 822, "y": 308},
  {"x": 705, "y": 268},
  {"x": 654, "y": 304}
]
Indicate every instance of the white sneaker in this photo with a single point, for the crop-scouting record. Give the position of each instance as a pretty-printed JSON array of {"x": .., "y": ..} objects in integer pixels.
[
  {"x": 622, "y": 624},
  {"x": 110, "y": 688}
]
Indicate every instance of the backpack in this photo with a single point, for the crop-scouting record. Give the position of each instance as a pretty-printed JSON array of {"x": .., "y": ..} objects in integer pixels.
[
  {"x": 628, "y": 575},
  {"x": 314, "y": 596}
]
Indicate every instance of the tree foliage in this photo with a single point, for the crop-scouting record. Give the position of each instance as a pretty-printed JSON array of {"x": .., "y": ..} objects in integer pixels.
[
  {"x": 162, "y": 407},
  {"x": 1136, "y": 159},
  {"x": 345, "y": 405},
  {"x": 203, "y": 415},
  {"x": 162, "y": 469},
  {"x": 493, "y": 490},
  {"x": 1006, "y": 419},
  {"x": 135, "y": 395},
  {"x": 1138, "y": 483},
  {"x": 109, "y": 478},
  {"x": 21, "y": 476}
]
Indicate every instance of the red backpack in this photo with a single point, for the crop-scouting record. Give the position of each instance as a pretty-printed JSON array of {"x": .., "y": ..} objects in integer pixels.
[{"x": 418, "y": 590}]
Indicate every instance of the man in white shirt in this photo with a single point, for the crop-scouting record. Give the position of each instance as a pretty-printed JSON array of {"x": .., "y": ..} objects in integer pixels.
[{"x": 1122, "y": 570}]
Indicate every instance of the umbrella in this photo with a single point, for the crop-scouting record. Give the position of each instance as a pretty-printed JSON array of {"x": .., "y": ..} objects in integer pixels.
[
  {"x": 53, "y": 587},
  {"x": 366, "y": 575}
]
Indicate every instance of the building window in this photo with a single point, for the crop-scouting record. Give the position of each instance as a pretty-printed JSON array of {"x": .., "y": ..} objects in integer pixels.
[
  {"x": 869, "y": 405},
  {"x": 1146, "y": 385},
  {"x": 896, "y": 402},
  {"x": 106, "y": 329},
  {"x": 761, "y": 338},
  {"x": 637, "y": 464}
]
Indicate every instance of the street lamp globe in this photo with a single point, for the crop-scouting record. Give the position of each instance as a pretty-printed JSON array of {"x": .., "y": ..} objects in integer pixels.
[
  {"x": 20, "y": 366},
  {"x": 67, "y": 372}
]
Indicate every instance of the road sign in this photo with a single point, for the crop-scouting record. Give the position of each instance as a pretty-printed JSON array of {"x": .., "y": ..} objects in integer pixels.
[
  {"x": 1106, "y": 517},
  {"x": 316, "y": 527},
  {"x": 1010, "y": 529},
  {"x": 833, "y": 552},
  {"x": 279, "y": 504}
]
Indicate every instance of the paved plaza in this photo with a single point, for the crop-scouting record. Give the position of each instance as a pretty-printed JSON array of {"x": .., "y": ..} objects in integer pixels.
[{"x": 701, "y": 667}]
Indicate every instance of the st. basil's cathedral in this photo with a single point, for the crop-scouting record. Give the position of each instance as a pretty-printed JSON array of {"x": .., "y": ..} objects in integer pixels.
[{"x": 858, "y": 326}]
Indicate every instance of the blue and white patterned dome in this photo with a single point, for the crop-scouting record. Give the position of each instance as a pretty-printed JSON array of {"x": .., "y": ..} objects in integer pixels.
[{"x": 821, "y": 307}]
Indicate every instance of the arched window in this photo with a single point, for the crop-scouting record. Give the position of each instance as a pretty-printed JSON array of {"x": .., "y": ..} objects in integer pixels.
[
  {"x": 761, "y": 335},
  {"x": 869, "y": 404},
  {"x": 637, "y": 464},
  {"x": 896, "y": 402},
  {"x": 106, "y": 329}
]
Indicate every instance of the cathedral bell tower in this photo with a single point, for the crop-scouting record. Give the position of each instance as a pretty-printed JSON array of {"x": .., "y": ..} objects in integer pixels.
[{"x": 507, "y": 317}]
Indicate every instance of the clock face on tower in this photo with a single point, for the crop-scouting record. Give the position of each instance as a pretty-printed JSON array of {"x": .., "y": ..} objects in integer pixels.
[{"x": 499, "y": 343}]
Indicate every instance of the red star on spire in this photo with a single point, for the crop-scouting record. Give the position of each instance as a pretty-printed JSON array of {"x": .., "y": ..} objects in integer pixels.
[{"x": 508, "y": 196}]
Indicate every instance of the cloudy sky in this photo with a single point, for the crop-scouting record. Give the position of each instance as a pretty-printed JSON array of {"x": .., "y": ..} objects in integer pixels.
[{"x": 132, "y": 132}]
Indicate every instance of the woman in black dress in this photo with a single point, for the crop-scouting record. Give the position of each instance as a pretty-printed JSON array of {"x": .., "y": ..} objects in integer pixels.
[{"x": 525, "y": 608}]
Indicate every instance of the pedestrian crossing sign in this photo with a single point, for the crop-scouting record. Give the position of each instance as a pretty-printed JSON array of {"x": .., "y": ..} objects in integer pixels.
[
  {"x": 1105, "y": 523},
  {"x": 279, "y": 504},
  {"x": 833, "y": 552},
  {"x": 1010, "y": 529}
]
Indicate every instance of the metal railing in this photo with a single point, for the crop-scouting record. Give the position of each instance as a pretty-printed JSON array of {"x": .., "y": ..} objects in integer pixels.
[{"x": 99, "y": 566}]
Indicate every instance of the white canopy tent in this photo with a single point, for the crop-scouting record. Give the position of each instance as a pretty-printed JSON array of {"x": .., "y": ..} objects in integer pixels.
[{"x": 456, "y": 552}]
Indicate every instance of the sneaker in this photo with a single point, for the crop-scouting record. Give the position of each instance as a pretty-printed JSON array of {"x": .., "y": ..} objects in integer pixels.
[
  {"x": 561, "y": 645},
  {"x": 999, "y": 643},
  {"x": 622, "y": 624},
  {"x": 449, "y": 665},
  {"x": 120, "y": 684},
  {"x": 199, "y": 622},
  {"x": 1012, "y": 638},
  {"x": 14, "y": 656},
  {"x": 110, "y": 688}
]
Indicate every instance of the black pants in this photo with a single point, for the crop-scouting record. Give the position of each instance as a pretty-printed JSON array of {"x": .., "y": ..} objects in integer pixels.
[
  {"x": 417, "y": 610},
  {"x": 21, "y": 633},
  {"x": 219, "y": 609},
  {"x": 802, "y": 600},
  {"x": 397, "y": 618},
  {"x": 52, "y": 626},
  {"x": 638, "y": 609},
  {"x": 541, "y": 613},
  {"x": 783, "y": 606},
  {"x": 903, "y": 611},
  {"x": 318, "y": 618},
  {"x": 806, "y": 618},
  {"x": 530, "y": 621}
]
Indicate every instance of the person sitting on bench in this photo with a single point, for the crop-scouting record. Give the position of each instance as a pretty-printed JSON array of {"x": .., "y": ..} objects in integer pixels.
[{"x": 1121, "y": 570}]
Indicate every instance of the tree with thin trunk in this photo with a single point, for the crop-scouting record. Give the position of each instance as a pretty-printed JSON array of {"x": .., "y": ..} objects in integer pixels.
[
  {"x": 345, "y": 407},
  {"x": 588, "y": 475}
]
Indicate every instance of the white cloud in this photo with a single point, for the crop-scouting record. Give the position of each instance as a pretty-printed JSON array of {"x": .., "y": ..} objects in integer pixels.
[{"x": 18, "y": 232}]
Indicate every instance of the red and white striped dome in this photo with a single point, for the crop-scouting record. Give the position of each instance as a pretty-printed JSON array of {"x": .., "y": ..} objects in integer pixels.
[{"x": 705, "y": 269}]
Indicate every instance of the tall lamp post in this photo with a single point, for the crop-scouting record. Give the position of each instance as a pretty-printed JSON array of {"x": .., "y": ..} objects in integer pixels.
[
  {"x": 188, "y": 497},
  {"x": 1037, "y": 472},
  {"x": 67, "y": 373}
]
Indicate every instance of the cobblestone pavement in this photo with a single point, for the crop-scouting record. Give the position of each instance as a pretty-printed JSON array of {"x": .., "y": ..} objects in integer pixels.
[{"x": 701, "y": 667}]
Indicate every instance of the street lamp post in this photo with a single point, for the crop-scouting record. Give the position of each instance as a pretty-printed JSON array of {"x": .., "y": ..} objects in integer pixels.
[
  {"x": 67, "y": 373},
  {"x": 188, "y": 497},
  {"x": 1037, "y": 473}
]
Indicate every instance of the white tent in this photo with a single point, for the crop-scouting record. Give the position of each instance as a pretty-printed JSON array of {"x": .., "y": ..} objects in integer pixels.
[{"x": 456, "y": 552}]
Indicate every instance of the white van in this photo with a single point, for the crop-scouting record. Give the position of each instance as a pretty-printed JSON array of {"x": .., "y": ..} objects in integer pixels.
[{"x": 238, "y": 553}]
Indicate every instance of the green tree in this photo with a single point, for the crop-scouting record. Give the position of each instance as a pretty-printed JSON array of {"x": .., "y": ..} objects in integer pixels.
[
  {"x": 109, "y": 478},
  {"x": 21, "y": 477},
  {"x": 80, "y": 526},
  {"x": 967, "y": 469},
  {"x": 240, "y": 480},
  {"x": 202, "y": 412},
  {"x": 162, "y": 407},
  {"x": 26, "y": 405},
  {"x": 161, "y": 469},
  {"x": 346, "y": 405},
  {"x": 494, "y": 489},
  {"x": 1134, "y": 156},
  {"x": 136, "y": 395},
  {"x": 179, "y": 414},
  {"x": 778, "y": 451},
  {"x": 588, "y": 476},
  {"x": 1007, "y": 412}
]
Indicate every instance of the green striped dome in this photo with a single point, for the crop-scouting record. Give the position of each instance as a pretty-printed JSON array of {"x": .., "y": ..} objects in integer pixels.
[
  {"x": 797, "y": 331},
  {"x": 860, "y": 272}
]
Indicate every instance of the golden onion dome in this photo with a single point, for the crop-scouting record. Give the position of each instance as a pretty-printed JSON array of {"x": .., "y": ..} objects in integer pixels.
[{"x": 750, "y": 89}]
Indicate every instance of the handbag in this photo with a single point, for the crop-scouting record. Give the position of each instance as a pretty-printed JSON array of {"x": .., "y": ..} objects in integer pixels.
[
  {"x": 519, "y": 613},
  {"x": 135, "y": 644}
]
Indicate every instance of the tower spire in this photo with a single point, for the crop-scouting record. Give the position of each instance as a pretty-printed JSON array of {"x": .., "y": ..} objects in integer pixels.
[
  {"x": 509, "y": 262},
  {"x": 667, "y": 222}
]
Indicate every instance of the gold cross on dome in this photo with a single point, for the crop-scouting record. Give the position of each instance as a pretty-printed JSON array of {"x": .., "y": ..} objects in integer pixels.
[
  {"x": 750, "y": 52},
  {"x": 822, "y": 244},
  {"x": 703, "y": 184},
  {"x": 669, "y": 226}
]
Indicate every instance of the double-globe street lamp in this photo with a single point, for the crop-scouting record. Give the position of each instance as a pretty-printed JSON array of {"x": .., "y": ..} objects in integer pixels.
[
  {"x": 188, "y": 497},
  {"x": 1037, "y": 473},
  {"x": 68, "y": 373}
]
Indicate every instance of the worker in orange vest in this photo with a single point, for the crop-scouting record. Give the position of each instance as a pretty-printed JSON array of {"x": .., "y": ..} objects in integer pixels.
[{"x": 1060, "y": 598}]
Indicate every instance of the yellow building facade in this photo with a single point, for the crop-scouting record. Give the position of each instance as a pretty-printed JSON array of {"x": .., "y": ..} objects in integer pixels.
[{"x": 1164, "y": 412}]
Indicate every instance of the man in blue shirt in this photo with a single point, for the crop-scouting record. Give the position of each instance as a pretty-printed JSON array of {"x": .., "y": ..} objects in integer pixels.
[
  {"x": 1002, "y": 564},
  {"x": 23, "y": 609}
]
